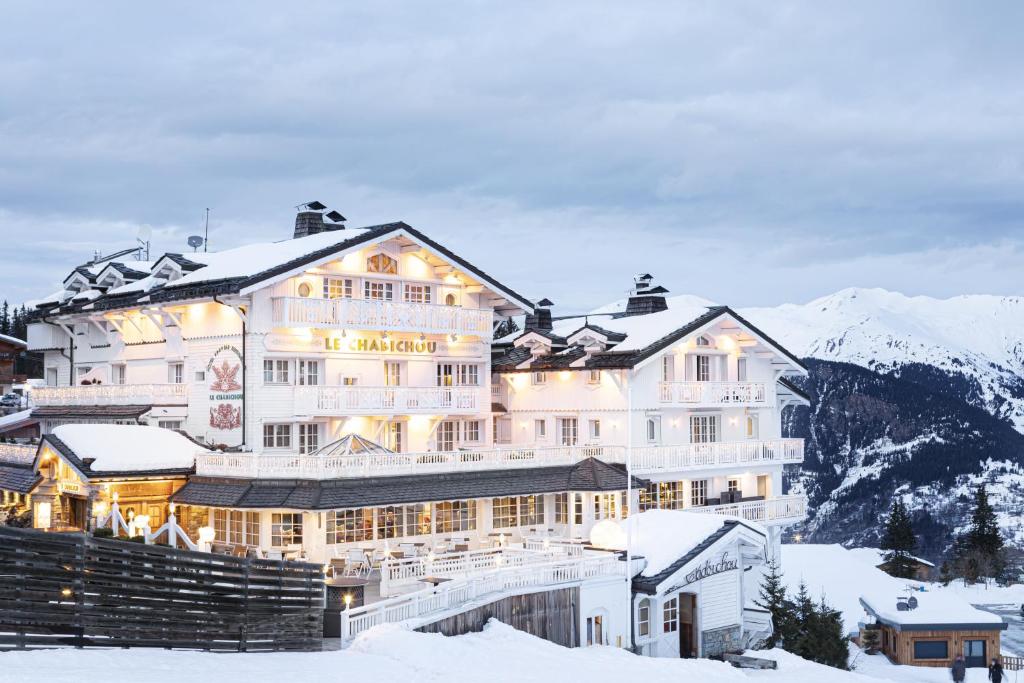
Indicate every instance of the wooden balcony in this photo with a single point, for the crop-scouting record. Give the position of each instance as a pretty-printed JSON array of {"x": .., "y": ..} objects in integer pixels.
[
  {"x": 111, "y": 395},
  {"x": 372, "y": 314},
  {"x": 717, "y": 394},
  {"x": 368, "y": 400}
]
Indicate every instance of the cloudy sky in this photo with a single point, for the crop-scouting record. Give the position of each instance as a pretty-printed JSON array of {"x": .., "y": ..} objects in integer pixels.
[{"x": 752, "y": 153}]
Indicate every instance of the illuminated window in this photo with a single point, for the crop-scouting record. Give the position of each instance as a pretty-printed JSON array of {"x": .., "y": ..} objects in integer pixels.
[
  {"x": 390, "y": 521},
  {"x": 751, "y": 426},
  {"x": 380, "y": 291},
  {"x": 670, "y": 495},
  {"x": 236, "y": 526},
  {"x": 337, "y": 288},
  {"x": 504, "y": 512},
  {"x": 350, "y": 526},
  {"x": 382, "y": 263},
  {"x": 561, "y": 508},
  {"x": 285, "y": 529},
  {"x": 531, "y": 510},
  {"x": 453, "y": 516},
  {"x": 416, "y": 294},
  {"x": 450, "y": 300}
]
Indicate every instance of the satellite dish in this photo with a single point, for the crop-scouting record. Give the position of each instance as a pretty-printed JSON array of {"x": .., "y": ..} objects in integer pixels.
[{"x": 195, "y": 241}]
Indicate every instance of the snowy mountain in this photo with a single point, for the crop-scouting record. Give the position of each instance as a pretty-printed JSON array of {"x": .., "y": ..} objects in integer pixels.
[{"x": 912, "y": 396}]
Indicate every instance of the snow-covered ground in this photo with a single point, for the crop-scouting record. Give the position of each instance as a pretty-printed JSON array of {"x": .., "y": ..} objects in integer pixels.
[{"x": 496, "y": 655}]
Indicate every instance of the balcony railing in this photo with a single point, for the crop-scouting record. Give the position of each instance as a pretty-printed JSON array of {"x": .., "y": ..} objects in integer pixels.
[
  {"x": 372, "y": 314},
  {"x": 645, "y": 460},
  {"x": 717, "y": 394},
  {"x": 365, "y": 400},
  {"x": 112, "y": 395},
  {"x": 777, "y": 510}
]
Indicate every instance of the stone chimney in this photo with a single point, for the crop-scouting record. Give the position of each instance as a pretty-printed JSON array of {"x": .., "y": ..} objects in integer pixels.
[
  {"x": 310, "y": 220},
  {"x": 540, "y": 319}
]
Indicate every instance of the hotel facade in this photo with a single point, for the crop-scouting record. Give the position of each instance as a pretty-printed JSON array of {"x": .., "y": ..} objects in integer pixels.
[{"x": 368, "y": 393}]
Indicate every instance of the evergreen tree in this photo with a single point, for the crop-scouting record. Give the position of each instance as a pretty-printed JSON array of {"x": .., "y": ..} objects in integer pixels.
[
  {"x": 825, "y": 634},
  {"x": 870, "y": 640},
  {"x": 5, "y": 318},
  {"x": 945, "y": 573},
  {"x": 980, "y": 552},
  {"x": 899, "y": 542},
  {"x": 773, "y": 598}
]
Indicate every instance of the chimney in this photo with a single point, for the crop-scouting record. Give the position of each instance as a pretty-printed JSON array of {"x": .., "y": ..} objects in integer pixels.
[
  {"x": 644, "y": 298},
  {"x": 540, "y": 319},
  {"x": 310, "y": 220}
]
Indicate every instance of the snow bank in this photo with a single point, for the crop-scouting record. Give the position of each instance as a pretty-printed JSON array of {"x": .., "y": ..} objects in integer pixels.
[
  {"x": 128, "y": 448},
  {"x": 663, "y": 536}
]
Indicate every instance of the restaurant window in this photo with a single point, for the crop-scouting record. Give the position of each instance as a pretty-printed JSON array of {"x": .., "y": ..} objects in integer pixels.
[
  {"x": 531, "y": 510},
  {"x": 643, "y": 618},
  {"x": 277, "y": 436},
  {"x": 703, "y": 368},
  {"x": 703, "y": 428},
  {"x": 593, "y": 376},
  {"x": 237, "y": 527},
  {"x": 337, "y": 288},
  {"x": 540, "y": 429},
  {"x": 390, "y": 521},
  {"x": 567, "y": 431},
  {"x": 577, "y": 512},
  {"x": 670, "y": 495},
  {"x": 699, "y": 492},
  {"x": 455, "y": 516},
  {"x": 417, "y": 519},
  {"x": 931, "y": 649},
  {"x": 504, "y": 512},
  {"x": 562, "y": 508},
  {"x": 606, "y": 506},
  {"x": 175, "y": 373},
  {"x": 382, "y": 263},
  {"x": 309, "y": 437},
  {"x": 118, "y": 373},
  {"x": 539, "y": 377},
  {"x": 670, "y": 615},
  {"x": 378, "y": 291},
  {"x": 308, "y": 372},
  {"x": 285, "y": 529},
  {"x": 349, "y": 526},
  {"x": 416, "y": 294},
  {"x": 594, "y": 429},
  {"x": 649, "y": 497},
  {"x": 276, "y": 371}
]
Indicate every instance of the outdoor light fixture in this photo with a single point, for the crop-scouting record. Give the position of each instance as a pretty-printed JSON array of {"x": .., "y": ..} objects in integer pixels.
[
  {"x": 348, "y": 600},
  {"x": 66, "y": 592}
]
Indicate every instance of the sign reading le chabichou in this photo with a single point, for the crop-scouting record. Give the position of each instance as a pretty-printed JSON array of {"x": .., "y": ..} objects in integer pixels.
[
  {"x": 707, "y": 569},
  {"x": 380, "y": 345}
]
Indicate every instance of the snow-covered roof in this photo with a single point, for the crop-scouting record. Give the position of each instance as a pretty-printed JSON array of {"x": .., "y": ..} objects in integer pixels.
[
  {"x": 935, "y": 609},
  {"x": 12, "y": 340},
  {"x": 128, "y": 448},
  {"x": 15, "y": 420},
  {"x": 877, "y": 557}
]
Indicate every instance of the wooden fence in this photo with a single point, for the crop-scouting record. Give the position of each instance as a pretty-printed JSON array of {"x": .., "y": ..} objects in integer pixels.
[{"x": 73, "y": 589}]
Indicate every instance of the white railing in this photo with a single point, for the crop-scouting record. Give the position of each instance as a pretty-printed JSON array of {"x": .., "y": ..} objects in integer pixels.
[
  {"x": 131, "y": 528},
  {"x": 645, "y": 460},
  {"x": 21, "y": 454},
  {"x": 347, "y": 400},
  {"x": 432, "y": 603},
  {"x": 781, "y": 509},
  {"x": 396, "y": 574},
  {"x": 714, "y": 394},
  {"x": 371, "y": 314},
  {"x": 111, "y": 394}
]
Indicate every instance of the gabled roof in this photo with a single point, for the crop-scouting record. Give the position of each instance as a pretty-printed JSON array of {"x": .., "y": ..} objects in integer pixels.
[
  {"x": 794, "y": 389},
  {"x": 17, "y": 478}
]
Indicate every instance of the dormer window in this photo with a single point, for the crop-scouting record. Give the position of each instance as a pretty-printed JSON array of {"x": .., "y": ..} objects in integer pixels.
[
  {"x": 382, "y": 263},
  {"x": 704, "y": 341}
]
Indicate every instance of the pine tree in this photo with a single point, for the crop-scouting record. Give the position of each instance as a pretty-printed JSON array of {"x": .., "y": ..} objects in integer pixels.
[
  {"x": 980, "y": 552},
  {"x": 899, "y": 541},
  {"x": 772, "y": 597},
  {"x": 5, "y": 319},
  {"x": 825, "y": 635},
  {"x": 870, "y": 641},
  {"x": 945, "y": 573}
]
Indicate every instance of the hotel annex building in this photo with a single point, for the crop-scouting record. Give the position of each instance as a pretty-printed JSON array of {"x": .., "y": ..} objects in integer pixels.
[{"x": 363, "y": 390}]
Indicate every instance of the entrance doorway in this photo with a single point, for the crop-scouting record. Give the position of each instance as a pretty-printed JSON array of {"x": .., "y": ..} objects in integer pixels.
[
  {"x": 974, "y": 653},
  {"x": 687, "y": 625}
]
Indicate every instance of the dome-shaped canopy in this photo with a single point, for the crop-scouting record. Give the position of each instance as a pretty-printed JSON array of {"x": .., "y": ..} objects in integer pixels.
[{"x": 351, "y": 444}]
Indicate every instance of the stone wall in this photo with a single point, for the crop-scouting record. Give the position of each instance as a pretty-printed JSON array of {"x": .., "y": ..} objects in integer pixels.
[{"x": 719, "y": 641}]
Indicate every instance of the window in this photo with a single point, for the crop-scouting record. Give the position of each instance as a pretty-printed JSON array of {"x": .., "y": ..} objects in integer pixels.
[
  {"x": 51, "y": 377},
  {"x": 703, "y": 428},
  {"x": 732, "y": 485},
  {"x": 235, "y": 526},
  {"x": 276, "y": 371},
  {"x": 931, "y": 649},
  {"x": 199, "y": 376},
  {"x": 118, "y": 372},
  {"x": 668, "y": 369},
  {"x": 567, "y": 431},
  {"x": 471, "y": 431},
  {"x": 670, "y": 615},
  {"x": 561, "y": 508},
  {"x": 593, "y": 376},
  {"x": 704, "y": 341},
  {"x": 540, "y": 429},
  {"x": 751, "y": 426},
  {"x": 382, "y": 263},
  {"x": 417, "y": 519},
  {"x": 468, "y": 375},
  {"x": 594, "y": 429},
  {"x": 169, "y": 424},
  {"x": 648, "y": 497},
  {"x": 703, "y": 368},
  {"x": 394, "y": 436},
  {"x": 175, "y": 373},
  {"x": 653, "y": 429},
  {"x": 337, "y": 288},
  {"x": 577, "y": 511},
  {"x": 392, "y": 374},
  {"x": 606, "y": 506},
  {"x": 304, "y": 289},
  {"x": 454, "y": 516},
  {"x": 504, "y": 512},
  {"x": 349, "y": 526},
  {"x": 595, "y": 630},
  {"x": 285, "y": 529},
  {"x": 309, "y": 372},
  {"x": 531, "y": 510},
  {"x": 390, "y": 521},
  {"x": 380, "y": 291},
  {"x": 741, "y": 369},
  {"x": 349, "y": 381},
  {"x": 277, "y": 436},
  {"x": 643, "y": 618},
  {"x": 309, "y": 437},
  {"x": 447, "y": 435},
  {"x": 539, "y": 378},
  {"x": 416, "y": 294},
  {"x": 670, "y": 495},
  {"x": 445, "y": 374},
  {"x": 450, "y": 300},
  {"x": 699, "y": 492}
]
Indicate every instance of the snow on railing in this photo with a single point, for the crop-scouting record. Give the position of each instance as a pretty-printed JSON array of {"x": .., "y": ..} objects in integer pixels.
[
  {"x": 111, "y": 394},
  {"x": 373, "y": 314},
  {"x": 778, "y": 509},
  {"x": 346, "y": 400},
  {"x": 645, "y": 459},
  {"x": 20, "y": 453},
  {"x": 429, "y": 603},
  {"x": 717, "y": 393}
]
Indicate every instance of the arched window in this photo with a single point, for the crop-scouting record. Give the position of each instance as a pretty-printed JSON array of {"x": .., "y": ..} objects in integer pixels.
[
  {"x": 382, "y": 263},
  {"x": 643, "y": 618},
  {"x": 450, "y": 300},
  {"x": 304, "y": 289}
]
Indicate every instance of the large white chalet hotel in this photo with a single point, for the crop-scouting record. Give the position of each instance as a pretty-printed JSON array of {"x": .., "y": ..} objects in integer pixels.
[{"x": 368, "y": 399}]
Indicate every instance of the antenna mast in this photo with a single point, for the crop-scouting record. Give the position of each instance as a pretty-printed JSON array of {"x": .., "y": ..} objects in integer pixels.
[{"x": 206, "y": 235}]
